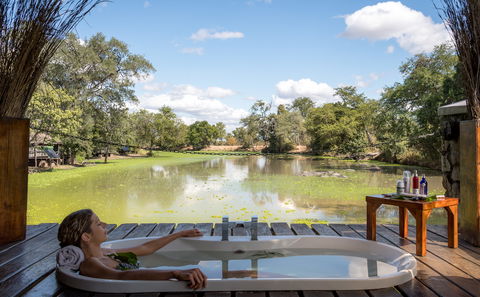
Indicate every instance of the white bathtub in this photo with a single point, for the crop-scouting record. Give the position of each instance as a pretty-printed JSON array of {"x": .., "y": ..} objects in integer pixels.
[{"x": 274, "y": 263}]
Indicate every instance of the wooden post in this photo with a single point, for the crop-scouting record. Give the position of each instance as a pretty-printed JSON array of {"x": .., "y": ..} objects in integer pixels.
[
  {"x": 372, "y": 220},
  {"x": 403, "y": 221},
  {"x": 469, "y": 206},
  {"x": 35, "y": 154},
  {"x": 452, "y": 213},
  {"x": 13, "y": 178}
]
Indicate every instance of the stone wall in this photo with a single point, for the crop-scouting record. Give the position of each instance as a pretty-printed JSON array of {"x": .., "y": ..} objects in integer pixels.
[{"x": 450, "y": 116}]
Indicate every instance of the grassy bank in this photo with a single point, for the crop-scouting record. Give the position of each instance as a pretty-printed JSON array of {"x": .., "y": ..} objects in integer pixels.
[{"x": 47, "y": 178}]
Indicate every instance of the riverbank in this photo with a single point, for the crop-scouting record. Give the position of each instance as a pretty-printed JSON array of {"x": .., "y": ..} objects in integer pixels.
[
  {"x": 256, "y": 148},
  {"x": 178, "y": 187},
  {"x": 64, "y": 172}
]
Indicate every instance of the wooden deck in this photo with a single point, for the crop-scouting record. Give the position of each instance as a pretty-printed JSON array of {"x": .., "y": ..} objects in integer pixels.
[{"x": 27, "y": 267}]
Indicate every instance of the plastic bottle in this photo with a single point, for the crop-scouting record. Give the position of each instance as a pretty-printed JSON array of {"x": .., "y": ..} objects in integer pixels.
[
  {"x": 400, "y": 187},
  {"x": 415, "y": 185},
  {"x": 406, "y": 181},
  {"x": 424, "y": 186}
]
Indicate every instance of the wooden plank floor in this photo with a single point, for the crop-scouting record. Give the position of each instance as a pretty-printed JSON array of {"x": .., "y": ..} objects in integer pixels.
[{"x": 27, "y": 268}]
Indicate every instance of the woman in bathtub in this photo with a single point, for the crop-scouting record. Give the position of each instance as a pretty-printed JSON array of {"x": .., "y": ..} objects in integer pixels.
[{"x": 84, "y": 230}]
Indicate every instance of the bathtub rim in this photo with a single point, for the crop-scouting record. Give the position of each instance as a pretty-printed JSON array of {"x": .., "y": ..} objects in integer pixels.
[{"x": 406, "y": 272}]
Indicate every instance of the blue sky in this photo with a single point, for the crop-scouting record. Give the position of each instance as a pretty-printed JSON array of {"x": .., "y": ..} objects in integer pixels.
[{"x": 214, "y": 58}]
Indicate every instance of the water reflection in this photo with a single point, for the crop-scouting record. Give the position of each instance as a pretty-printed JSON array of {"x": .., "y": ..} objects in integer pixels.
[
  {"x": 283, "y": 263},
  {"x": 274, "y": 188}
]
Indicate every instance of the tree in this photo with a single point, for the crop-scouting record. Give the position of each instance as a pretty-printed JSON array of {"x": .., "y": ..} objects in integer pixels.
[
  {"x": 99, "y": 73},
  {"x": 393, "y": 128},
  {"x": 259, "y": 113},
  {"x": 54, "y": 110},
  {"x": 172, "y": 132},
  {"x": 200, "y": 134},
  {"x": 430, "y": 81},
  {"x": 288, "y": 130},
  {"x": 97, "y": 70},
  {"x": 110, "y": 124},
  {"x": 343, "y": 127},
  {"x": 243, "y": 137},
  {"x": 249, "y": 134},
  {"x": 231, "y": 139},
  {"x": 303, "y": 105},
  {"x": 220, "y": 132},
  {"x": 144, "y": 129}
]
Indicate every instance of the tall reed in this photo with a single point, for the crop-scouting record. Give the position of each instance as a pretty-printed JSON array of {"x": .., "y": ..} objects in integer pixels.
[
  {"x": 462, "y": 18},
  {"x": 30, "y": 33}
]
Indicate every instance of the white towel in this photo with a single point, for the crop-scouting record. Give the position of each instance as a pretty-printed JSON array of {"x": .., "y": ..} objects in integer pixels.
[{"x": 70, "y": 257}]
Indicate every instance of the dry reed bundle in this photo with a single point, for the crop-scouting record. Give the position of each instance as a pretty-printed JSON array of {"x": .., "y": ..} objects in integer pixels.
[
  {"x": 462, "y": 18},
  {"x": 30, "y": 33}
]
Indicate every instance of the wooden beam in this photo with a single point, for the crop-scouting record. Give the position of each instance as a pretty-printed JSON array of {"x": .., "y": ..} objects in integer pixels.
[
  {"x": 13, "y": 178},
  {"x": 469, "y": 207}
]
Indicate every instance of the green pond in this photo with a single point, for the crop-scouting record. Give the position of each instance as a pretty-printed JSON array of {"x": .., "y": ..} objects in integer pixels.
[{"x": 183, "y": 188}]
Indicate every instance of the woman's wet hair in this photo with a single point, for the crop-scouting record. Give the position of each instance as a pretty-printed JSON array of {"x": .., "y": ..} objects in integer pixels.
[{"x": 73, "y": 226}]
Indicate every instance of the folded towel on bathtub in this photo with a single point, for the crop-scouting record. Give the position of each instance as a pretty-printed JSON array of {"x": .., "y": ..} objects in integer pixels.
[{"x": 70, "y": 257}]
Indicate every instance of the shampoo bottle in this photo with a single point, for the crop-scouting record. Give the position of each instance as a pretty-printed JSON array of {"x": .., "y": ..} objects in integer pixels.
[
  {"x": 406, "y": 181},
  {"x": 415, "y": 184},
  {"x": 424, "y": 186}
]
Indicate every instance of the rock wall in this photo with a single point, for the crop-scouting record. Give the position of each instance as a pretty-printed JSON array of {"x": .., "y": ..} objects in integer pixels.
[{"x": 451, "y": 153}]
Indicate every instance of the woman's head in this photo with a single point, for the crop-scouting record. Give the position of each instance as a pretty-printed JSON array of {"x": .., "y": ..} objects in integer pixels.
[{"x": 81, "y": 225}]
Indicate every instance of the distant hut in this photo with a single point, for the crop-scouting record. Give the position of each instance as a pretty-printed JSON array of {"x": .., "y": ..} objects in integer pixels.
[{"x": 43, "y": 151}]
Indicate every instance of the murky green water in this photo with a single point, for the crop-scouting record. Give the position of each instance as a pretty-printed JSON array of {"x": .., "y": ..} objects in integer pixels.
[{"x": 274, "y": 188}]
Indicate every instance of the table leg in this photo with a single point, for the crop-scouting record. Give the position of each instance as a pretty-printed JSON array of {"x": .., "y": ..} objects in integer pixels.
[
  {"x": 372, "y": 220},
  {"x": 403, "y": 221},
  {"x": 452, "y": 212},
  {"x": 421, "y": 217}
]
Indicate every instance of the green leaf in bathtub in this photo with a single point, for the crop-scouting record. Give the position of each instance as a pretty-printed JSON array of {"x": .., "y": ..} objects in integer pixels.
[{"x": 126, "y": 261}]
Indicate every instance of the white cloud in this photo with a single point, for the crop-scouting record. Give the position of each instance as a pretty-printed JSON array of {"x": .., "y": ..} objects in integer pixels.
[
  {"x": 188, "y": 120},
  {"x": 204, "y": 34},
  {"x": 251, "y": 98},
  {"x": 413, "y": 31},
  {"x": 154, "y": 87},
  {"x": 305, "y": 87},
  {"x": 278, "y": 101},
  {"x": 217, "y": 92},
  {"x": 146, "y": 4},
  {"x": 193, "y": 50},
  {"x": 193, "y": 104},
  {"x": 390, "y": 49},
  {"x": 360, "y": 82}
]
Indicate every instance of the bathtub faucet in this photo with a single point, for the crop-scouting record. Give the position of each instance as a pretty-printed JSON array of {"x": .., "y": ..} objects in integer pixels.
[
  {"x": 254, "y": 228},
  {"x": 225, "y": 228}
]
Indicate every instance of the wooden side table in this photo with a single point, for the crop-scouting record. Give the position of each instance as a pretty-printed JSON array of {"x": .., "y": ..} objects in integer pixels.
[{"x": 421, "y": 211}]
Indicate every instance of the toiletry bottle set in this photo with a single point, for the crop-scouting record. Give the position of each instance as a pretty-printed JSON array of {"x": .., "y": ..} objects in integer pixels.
[{"x": 412, "y": 184}]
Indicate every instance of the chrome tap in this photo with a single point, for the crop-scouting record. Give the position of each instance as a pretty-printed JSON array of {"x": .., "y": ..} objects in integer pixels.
[
  {"x": 254, "y": 228},
  {"x": 225, "y": 228}
]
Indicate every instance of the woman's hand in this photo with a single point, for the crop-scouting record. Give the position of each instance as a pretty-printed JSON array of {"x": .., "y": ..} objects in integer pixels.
[
  {"x": 190, "y": 233},
  {"x": 195, "y": 277}
]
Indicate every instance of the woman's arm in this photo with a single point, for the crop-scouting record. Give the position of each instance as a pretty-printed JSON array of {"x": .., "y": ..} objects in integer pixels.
[
  {"x": 93, "y": 267},
  {"x": 152, "y": 246}
]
